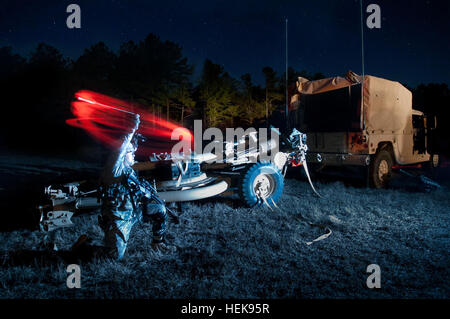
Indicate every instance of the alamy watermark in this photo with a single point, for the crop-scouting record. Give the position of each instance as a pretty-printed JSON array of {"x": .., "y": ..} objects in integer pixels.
[
  {"x": 254, "y": 145},
  {"x": 74, "y": 277},
  {"x": 374, "y": 280},
  {"x": 73, "y": 21},
  {"x": 374, "y": 19}
]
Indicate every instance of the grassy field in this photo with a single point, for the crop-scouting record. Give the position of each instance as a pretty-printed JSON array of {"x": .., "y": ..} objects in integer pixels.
[{"x": 224, "y": 250}]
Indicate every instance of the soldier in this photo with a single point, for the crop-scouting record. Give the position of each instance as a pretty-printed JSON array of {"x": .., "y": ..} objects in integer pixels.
[{"x": 125, "y": 200}]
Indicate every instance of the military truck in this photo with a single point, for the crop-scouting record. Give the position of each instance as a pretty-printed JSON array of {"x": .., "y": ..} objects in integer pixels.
[{"x": 364, "y": 121}]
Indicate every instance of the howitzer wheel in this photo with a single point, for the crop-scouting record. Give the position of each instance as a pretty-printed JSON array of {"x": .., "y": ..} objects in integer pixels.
[{"x": 261, "y": 184}]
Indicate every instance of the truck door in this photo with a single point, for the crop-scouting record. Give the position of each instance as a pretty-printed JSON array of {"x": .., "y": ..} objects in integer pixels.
[{"x": 419, "y": 134}]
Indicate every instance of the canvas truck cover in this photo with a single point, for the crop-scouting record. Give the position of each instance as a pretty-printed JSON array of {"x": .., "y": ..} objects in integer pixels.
[{"x": 387, "y": 104}]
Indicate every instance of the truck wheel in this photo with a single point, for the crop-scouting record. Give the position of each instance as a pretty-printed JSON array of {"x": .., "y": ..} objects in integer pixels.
[
  {"x": 380, "y": 170},
  {"x": 261, "y": 183},
  {"x": 432, "y": 165}
]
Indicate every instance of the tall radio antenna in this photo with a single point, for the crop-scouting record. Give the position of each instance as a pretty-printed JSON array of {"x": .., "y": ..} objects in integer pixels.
[
  {"x": 287, "y": 102},
  {"x": 362, "y": 63}
]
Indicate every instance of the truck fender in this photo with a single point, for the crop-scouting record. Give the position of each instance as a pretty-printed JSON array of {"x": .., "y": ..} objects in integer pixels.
[{"x": 389, "y": 146}]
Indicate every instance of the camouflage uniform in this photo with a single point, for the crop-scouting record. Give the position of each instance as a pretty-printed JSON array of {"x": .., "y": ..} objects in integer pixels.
[{"x": 124, "y": 204}]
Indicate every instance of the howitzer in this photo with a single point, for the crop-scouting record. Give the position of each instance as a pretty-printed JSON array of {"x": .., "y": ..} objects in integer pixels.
[{"x": 150, "y": 193}]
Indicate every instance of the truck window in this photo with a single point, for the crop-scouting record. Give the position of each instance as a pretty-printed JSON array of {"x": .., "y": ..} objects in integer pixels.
[{"x": 419, "y": 133}]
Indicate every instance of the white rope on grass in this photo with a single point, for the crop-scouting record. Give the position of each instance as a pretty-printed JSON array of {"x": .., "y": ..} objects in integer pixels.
[{"x": 320, "y": 237}]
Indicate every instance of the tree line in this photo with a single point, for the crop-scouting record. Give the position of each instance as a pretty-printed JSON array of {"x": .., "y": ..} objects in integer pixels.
[{"x": 37, "y": 89}]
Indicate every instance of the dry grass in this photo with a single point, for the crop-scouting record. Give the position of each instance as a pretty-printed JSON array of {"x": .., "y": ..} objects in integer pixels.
[{"x": 226, "y": 252}]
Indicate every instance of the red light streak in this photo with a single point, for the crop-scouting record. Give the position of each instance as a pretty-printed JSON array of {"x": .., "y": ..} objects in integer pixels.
[{"x": 107, "y": 119}]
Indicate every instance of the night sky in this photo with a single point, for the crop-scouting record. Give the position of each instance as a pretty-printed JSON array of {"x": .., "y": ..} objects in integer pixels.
[{"x": 412, "y": 45}]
